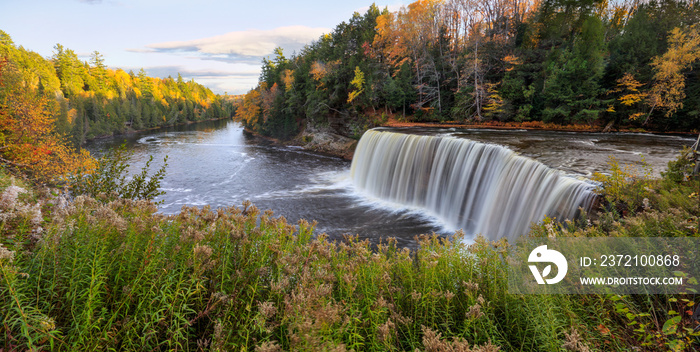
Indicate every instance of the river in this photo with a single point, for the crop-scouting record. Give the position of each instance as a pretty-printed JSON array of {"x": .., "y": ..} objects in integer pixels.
[{"x": 216, "y": 163}]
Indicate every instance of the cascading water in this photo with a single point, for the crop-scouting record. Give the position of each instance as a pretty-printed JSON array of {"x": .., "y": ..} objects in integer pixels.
[{"x": 481, "y": 188}]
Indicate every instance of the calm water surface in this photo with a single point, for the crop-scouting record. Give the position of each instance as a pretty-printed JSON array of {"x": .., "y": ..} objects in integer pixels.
[{"x": 215, "y": 163}]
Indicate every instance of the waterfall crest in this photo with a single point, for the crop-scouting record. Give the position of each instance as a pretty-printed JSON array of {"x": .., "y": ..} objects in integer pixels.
[{"x": 481, "y": 188}]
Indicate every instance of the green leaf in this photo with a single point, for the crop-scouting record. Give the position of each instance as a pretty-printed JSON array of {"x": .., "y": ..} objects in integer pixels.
[{"x": 671, "y": 325}]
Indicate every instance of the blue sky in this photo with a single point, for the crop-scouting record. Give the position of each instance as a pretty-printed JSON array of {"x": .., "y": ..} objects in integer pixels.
[{"x": 217, "y": 43}]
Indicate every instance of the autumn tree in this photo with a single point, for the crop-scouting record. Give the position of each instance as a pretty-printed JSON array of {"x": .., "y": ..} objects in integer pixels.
[
  {"x": 27, "y": 137},
  {"x": 668, "y": 89},
  {"x": 357, "y": 84},
  {"x": 555, "y": 60},
  {"x": 630, "y": 95},
  {"x": 249, "y": 109}
]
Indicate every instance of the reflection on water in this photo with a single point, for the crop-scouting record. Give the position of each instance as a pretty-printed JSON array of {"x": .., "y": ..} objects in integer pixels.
[{"x": 216, "y": 163}]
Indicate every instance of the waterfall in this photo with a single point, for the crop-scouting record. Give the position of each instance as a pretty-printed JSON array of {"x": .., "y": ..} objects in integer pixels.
[{"x": 481, "y": 188}]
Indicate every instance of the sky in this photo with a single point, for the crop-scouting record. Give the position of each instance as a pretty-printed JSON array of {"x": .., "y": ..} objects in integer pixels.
[{"x": 218, "y": 43}]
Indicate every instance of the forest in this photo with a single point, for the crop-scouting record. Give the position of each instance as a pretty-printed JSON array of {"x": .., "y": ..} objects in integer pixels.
[
  {"x": 87, "y": 99},
  {"x": 94, "y": 266},
  {"x": 593, "y": 62}
]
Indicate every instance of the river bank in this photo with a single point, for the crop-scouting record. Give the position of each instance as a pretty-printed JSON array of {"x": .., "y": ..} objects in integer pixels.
[
  {"x": 132, "y": 131},
  {"x": 323, "y": 141},
  {"x": 329, "y": 142},
  {"x": 532, "y": 125}
]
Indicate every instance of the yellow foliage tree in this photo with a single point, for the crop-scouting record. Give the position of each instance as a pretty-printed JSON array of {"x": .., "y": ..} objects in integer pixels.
[
  {"x": 288, "y": 79},
  {"x": 249, "y": 110},
  {"x": 357, "y": 83},
  {"x": 631, "y": 95},
  {"x": 668, "y": 89},
  {"x": 27, "y": 137},
  {"x": 494, "y": 102}
]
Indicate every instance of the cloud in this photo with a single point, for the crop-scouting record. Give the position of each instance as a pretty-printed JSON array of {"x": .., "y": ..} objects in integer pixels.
[
  {"x": 235, "y": 81},
  {"x": 238, "y": 56},
  {"x": 242, "y": 46},
  {"x": 165, "y": 71},
  {"x": 91, "y": 2}
]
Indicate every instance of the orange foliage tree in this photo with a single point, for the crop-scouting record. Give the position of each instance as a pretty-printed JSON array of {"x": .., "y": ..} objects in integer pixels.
[
  {"x": 248, "y": 111},
  {"x": 28, "y": 140}
]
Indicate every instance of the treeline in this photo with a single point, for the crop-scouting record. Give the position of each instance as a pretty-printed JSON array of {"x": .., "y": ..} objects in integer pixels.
[
  {"x": 596, "y": 62},
  {"x": 88, "y": 100}
]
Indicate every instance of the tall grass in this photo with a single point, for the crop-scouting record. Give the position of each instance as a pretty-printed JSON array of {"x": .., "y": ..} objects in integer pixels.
[{"x": 118, "y": 276}]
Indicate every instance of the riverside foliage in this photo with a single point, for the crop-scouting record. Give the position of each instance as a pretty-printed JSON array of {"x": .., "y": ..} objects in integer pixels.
[
  {"x": 87, "y": 100},
  {"x": 556, "y": 61},
  {"x": 118, "y": 276}
]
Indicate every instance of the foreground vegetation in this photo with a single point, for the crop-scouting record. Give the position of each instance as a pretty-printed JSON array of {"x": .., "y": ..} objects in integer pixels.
[{"x": 110, "y": 273}]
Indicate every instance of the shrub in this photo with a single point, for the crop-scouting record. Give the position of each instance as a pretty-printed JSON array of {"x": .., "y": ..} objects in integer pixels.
[{"x": 111, "y": 178}]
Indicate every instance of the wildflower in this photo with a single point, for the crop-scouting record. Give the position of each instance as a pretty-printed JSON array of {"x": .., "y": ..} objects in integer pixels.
[
  {"x": 381, "y": 303},
  {"x": 574, "y": 342},
  {"x": 268, "y": 346},
  {"x": 416, "y": 295},
  {"x": 218, "y": 340},
  {"x": 267, "y": 309},
  {"x": 47, "y": 324},
  {"x": 386, "y": 330},
  {"x": 191, "y": 234},
  {"x": 220, "y": 297},
  {"x": 202, "y": 252},
  {"x": 8, "y": 198},
  {"x": 6, "y": 254},
  {"x": 401, "y": 319},
  {"x": 551, "y": 232},
  {"x": 475, "y": 312},
  {"x": 111, "y": 217},
  {"x": 433, "y": 342},
  {"x": 470, "y": 287},
  {"x": 280, "y": 285}
]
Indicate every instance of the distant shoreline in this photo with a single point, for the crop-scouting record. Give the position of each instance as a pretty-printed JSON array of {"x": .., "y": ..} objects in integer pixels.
[
  {"x": 133, "y": 131},
  {"x": 528, "y": 125}
]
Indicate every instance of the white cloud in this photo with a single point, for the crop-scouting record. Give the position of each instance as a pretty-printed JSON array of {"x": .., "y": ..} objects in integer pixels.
[
  {"x": 228, "y": 62},
  {"x": 236, "y": 80},
  {"x": 243, "y": 44}
]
